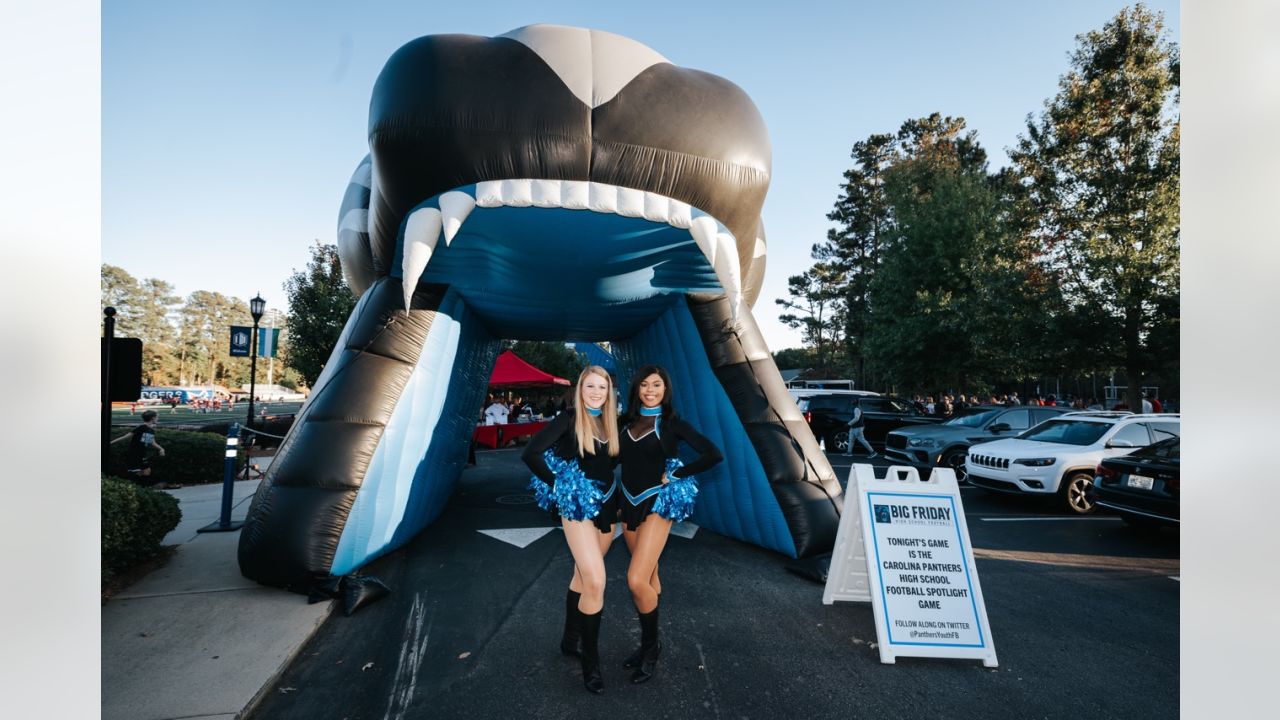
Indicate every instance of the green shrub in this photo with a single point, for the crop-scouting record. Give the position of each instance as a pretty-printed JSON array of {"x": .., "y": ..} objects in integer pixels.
[
  {"x": 190, "y": 458},
  {"x": 134, "y": 521}
]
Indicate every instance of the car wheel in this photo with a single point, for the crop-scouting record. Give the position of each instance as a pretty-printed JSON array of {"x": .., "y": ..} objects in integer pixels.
[
  {"x": 955, "y": 461},
  {"x": 1075, "y": 493},
  {"x": 838, "y": 442}
]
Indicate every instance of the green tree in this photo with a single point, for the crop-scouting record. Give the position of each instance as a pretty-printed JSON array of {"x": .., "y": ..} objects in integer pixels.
[
  {"x": 154, "y": 322},
  {"x": 144, "y": 310},
  {"x": 1100, "y": 168},
  {"x": 120, "y": 290},
  {"x": 817, "y": 302},
  {"x": 800, "y": 358},
  {"x": 951, "y": 302},
  {"x": 203, "y": 347},
  {"x": 319, "y": 304},
  {"x": 862, "y": 215}
]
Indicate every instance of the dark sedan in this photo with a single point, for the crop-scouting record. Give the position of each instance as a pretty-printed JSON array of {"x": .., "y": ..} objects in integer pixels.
[
  {"x": 829, "y": 415},
  {"x": 1144, "y": 486},
  {"x": 945, "y": 445}
]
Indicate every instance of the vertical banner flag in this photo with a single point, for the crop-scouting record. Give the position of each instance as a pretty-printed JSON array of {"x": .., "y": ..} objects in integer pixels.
[
  {"x": 268, "y": 340},
  {"x": 240, "y": 340}
]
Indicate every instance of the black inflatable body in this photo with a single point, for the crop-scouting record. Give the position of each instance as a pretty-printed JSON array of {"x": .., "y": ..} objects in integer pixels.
[{"x": 551, "y": 183}]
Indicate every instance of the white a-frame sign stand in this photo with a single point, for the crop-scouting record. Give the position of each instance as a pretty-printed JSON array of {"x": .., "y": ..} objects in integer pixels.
[{"x": 904, "y": 545}]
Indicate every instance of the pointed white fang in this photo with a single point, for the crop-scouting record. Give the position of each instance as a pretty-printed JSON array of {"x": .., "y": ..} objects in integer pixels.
[
  {"x": 703, "y": 229},
  {"x": 759, "y": 249},
  {"x": 454, "y": 208},
  {"x": 657, "y": 208},
  {"x": 630, "y": 202},
  {"x": 575, "y": 194},
  {"x": 680, "y": 215},
  {"x": 421, "y": 233},
  {"x": 728, "y": 269},
  {"x": 603, "y": 198},
  {"x": 517, "y": 193},
  {"x": 546, "y": 193},
  {"x": 489, "y": 193}
]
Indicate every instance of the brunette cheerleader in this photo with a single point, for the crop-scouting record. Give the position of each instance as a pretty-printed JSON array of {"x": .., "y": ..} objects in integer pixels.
[{"x": 657, "y": 490}]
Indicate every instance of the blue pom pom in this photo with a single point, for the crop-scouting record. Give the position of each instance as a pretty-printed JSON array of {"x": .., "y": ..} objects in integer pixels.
[
  {"x": 676, "y": 499},
  {"x": 575, "y": 496}
]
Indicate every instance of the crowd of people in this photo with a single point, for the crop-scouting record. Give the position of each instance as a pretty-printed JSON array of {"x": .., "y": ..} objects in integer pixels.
[
  {"x": 947, "y": 405},
  {"x": 500, "y": 410}
]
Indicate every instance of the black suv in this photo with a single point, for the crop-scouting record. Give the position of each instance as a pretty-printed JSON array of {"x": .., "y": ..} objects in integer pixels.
[
  {"x": 829, "y": 415},
  {"x": 946, "y": 445}
]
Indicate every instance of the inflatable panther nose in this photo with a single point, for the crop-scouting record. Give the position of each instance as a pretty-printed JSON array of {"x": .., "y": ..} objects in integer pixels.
[{"x": 552, "y": 183}]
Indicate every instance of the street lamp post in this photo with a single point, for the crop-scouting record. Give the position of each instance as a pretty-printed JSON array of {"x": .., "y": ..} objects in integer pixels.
[{"x": 257, "y": 306}]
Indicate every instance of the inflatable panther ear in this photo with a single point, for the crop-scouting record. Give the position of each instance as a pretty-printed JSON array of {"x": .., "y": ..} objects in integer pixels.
[{"x": 552, "y": 183}]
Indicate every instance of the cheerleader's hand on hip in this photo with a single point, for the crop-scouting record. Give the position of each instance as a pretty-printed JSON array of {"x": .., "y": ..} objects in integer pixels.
[{"x": 664, "y": 479}]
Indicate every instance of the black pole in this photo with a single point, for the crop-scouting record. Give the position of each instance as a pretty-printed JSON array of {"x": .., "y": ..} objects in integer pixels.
[
  {"x": 253, "y": 369},
  {"x": 108, "y": 334}
]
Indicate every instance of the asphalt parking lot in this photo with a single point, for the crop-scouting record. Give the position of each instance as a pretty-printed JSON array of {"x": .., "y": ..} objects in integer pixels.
[{"x": 1084, "y": 614}]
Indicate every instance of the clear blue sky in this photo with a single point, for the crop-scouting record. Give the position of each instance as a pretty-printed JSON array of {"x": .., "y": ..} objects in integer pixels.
[{"x": 229, "y": 129}]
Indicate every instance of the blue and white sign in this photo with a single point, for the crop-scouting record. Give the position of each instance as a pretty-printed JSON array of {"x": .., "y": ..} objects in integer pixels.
[
  {"x": 240, "y": 340},
  {"x": 921, "y": 577}
]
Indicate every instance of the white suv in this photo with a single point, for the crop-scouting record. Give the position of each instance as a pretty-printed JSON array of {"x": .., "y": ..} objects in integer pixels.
[{"x": 1059, "y": 456}]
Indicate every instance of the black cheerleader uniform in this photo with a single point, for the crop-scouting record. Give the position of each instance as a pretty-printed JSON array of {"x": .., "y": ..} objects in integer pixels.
[
  {"x": 650, "y": 447},
  {"x": 577, "y": 487}
]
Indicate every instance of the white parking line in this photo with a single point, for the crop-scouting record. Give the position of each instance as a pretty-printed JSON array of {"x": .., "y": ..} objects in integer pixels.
[{"x": 1046, "y": 519}]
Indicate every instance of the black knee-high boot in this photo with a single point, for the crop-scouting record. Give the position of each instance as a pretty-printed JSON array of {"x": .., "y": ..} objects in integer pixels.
[
  {"x": 591, "y": 652},
  {"x": 572, "y": 620},
  {"x": 650, "y": 646}
]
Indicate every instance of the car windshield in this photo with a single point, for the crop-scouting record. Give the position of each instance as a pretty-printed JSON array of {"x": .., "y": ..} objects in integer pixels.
[
  {"x": 1067, "y": 432},
  {"x": 977, "y": 420}
]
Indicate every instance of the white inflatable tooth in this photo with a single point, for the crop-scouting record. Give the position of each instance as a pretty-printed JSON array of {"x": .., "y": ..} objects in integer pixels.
[
  {"x": 546, "y": 193},
  {"x": 703, "y": 229},
  {"x": 680, "y": 215},
  {"x": 517, "y": 193},
  {"x": 455, "y": 206},
  {"x": 728, "y": 269},
  {"x": 489, "y": 193},
  {"x": 603, "y": 198},
  {"x": 630, "y": 202},
  {"x": 575, "y": 194},
  {"x": 657, "y": 208},
  {"x": 421, "y": 233}
]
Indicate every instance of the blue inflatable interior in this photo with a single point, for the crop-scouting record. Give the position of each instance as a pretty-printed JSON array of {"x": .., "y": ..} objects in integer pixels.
[{"x": 524, "y": 273}]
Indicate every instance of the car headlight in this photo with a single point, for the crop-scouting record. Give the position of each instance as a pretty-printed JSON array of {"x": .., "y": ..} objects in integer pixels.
[
  {"x": 922, "y": 442},
  {"x": 1036, "y": 462}
]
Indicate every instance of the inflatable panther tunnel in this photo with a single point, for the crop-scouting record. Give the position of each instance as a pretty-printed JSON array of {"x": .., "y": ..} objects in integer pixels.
[{"x": 552, "y": 183}]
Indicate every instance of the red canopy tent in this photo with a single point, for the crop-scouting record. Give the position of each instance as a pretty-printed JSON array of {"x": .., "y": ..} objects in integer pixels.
[{"x": 512, "y": 372}]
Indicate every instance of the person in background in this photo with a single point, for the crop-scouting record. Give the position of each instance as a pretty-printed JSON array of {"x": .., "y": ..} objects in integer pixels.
[
  {"x": 1146, "y": 404},
  {"x": 1156, "y": 405},
  {"x": 1093, "y": 404},
  {"x": 857, "y": 431},
  {"x": 142, "y": 443}
]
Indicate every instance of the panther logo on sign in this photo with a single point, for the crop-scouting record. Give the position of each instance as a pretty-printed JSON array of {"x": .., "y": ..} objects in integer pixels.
[{"x": 883, "y": 515}]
